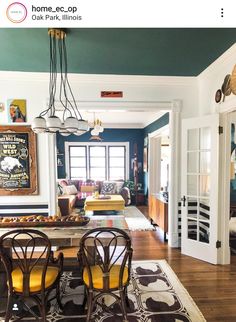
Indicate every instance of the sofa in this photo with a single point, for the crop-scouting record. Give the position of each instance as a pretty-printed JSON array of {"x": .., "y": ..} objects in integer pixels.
[{"x": 72, "y": 193}]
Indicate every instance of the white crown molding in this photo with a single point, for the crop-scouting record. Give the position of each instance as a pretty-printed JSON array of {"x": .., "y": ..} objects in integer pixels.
[
  {"x": 135, "y": 106},
  {"x": 219, "y": 64},
  {"x": 110, "y": 80},
  {"x": 123, "y": 125}
]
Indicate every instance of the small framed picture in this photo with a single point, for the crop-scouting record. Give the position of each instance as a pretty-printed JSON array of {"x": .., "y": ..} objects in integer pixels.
[{"x": 16, "y": 110}]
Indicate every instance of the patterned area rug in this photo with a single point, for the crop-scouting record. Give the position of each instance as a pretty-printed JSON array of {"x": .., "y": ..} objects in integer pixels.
[
  {"x": 155, "y": 295},
  {"x": 133, "y": 217}
]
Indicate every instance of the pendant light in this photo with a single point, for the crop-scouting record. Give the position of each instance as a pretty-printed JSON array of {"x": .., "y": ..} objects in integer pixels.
[{"x": 47, "y": 121}]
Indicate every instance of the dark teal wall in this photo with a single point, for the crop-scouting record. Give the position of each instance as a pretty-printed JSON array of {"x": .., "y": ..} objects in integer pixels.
[
  {"x": 162, "y": 121},
  {"x": 109, "y": 135}
]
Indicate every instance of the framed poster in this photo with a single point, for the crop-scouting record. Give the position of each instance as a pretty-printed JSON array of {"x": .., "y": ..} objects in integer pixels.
[{"x": 18, "y": 167}]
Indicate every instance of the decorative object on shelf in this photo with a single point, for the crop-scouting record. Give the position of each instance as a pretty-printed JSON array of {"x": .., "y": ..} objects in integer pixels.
[
  {"x": 72, "y": 120},
  {"x": 228, "y": 86},
  {"x": 218, "y": 96},
  {"x": 226, "y": 90},
  {"x": 18, "y": 171},
  {"x": 233, "y": 81},
  {"x": 97, "y": 128},
  {"x": 2, "y": 107},
  {"x": 16, "y": 110}
]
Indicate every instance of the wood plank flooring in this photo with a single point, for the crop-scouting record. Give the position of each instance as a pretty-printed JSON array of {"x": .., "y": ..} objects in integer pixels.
[{"x": 213, "y": 288}]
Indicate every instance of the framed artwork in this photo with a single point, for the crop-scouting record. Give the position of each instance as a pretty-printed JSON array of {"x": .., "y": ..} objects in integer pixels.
[
  {"x": 16, "y": 110},
  {"x": 145, "y": 159},
  {"x": 18, "y": 166}
]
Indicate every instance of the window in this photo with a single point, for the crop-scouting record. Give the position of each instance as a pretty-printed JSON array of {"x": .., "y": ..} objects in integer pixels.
[
  {"x": 116, "y": 162},
  {"x": 78, "y": 164},
  {"x": 98, "y": 162}
]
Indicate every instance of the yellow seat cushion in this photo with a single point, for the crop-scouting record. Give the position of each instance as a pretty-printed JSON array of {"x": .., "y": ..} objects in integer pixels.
[
  {"x": 35, "y": 278},
  {"x": 97, "y": 276}
]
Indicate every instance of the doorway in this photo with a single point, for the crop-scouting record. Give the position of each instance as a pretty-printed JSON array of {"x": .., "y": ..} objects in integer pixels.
[{"x": 158, "y": 178}]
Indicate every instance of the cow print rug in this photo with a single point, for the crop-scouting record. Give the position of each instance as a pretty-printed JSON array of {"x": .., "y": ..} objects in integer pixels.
[{"x": 155, "y": 295}]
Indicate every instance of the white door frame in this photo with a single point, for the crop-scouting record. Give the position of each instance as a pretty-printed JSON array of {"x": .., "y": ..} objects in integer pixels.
[
  {"x": 174, "y": 108},
  {"x": 224, "y": 177},
  {"x": 174, "y": 170}
]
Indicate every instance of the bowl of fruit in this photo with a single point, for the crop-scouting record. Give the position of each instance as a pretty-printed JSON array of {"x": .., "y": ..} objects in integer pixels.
[{"x": 43, "y": 221}]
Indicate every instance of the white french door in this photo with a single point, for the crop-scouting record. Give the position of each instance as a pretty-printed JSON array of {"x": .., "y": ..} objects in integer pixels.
[{"x": 199, "y": 185}]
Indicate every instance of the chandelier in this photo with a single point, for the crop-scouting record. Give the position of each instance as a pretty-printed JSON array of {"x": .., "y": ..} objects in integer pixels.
[
  {"x": 97, "y": 128},
  {"x": 47, "y": 121}
]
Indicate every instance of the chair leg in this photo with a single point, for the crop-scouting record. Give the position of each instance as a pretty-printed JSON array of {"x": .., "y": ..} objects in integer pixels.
[
  {"x": 58, "y": 295},
  {"x": 90, "y": 305},
  {"x": 126, "y": 297},
  {"x": 42, "y": 309},
  {"x": 8, "y": 308},
  {"x": 123, "y": 307}
]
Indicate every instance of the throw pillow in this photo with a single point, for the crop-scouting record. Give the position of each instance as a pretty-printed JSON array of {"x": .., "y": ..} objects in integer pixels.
[
  {"x": 70, "y": 190},
  {"x": 87, "y": 188},
  {"x": 59, "y": 189},
  {"x": 119, "y": 186},
  {"x": 108, "y": 188}
]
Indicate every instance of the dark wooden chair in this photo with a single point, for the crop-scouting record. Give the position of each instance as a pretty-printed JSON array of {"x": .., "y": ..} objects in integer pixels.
[
  {"x": 32, "y": 273},
  {"x": 105, "y": 254}
]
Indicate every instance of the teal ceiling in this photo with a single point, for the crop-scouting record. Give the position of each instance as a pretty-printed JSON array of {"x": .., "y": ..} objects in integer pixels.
[{"x": 172, "y": 52}]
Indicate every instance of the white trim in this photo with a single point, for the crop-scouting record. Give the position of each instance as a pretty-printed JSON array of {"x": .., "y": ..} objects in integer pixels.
[
  {"x": 126, "y": 144},
  {"x": 123, "y": 125},
  {"x": 174, "y": 184},
  {"x": 52, "y": 174},
  {"x": 110, "y": 79},
  {"x": 174, "y": 174},
  {"x": 122, "y": 105},
  {"x": 224, "y": 188},
  {"x": 225, "y": 109},
  {"x": 23, "y": 211}
]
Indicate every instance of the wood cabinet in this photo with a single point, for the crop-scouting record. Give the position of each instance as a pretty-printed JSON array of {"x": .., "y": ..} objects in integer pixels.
[{"x": 158, "y": 211}]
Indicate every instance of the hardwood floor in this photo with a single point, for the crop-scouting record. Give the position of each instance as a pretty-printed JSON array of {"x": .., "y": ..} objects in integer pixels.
[{"x": 211, "y": 287}]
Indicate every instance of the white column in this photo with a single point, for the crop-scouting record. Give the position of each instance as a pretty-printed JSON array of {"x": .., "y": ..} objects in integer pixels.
[
  {"x": 154, "y": 160},
  {"x": 52, "y": 174},
  {"x": 174, "y": 174}
]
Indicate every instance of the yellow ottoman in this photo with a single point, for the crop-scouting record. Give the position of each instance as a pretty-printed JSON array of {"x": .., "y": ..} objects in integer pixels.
[{"x": 116, "y": 202}]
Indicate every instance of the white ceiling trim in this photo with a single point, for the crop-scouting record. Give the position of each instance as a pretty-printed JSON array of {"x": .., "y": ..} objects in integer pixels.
[
  {"x": 131, "y": 106},
  {"x": 110, "y": 80}
]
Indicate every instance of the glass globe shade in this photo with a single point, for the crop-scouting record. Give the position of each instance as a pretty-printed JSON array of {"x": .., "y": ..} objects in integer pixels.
[
  {"x": 39, "y": 125},
  {"x": 71, "y": 124},
  {"x": 53, "y": 123}
]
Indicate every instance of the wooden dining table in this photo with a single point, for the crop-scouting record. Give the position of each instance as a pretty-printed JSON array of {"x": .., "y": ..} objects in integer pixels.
[{"x": 71, "y": 235}]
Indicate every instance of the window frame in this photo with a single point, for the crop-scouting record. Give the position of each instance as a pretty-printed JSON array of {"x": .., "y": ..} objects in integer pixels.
[
  {"x": 86, "y": 160},
  {"x": 106, "y": 144}
]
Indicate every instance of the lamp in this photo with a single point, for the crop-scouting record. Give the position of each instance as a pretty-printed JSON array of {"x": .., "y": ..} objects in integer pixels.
[{"x": 72, "y": 121}]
